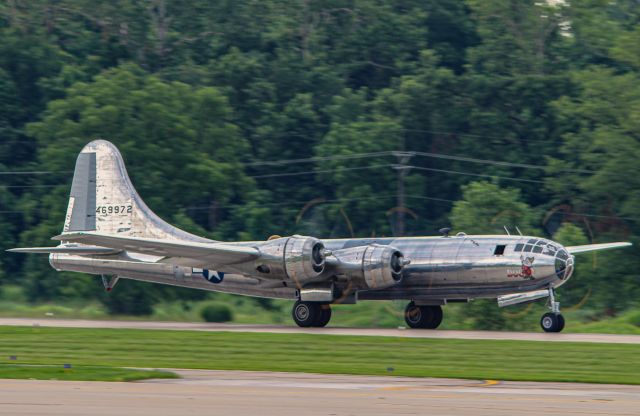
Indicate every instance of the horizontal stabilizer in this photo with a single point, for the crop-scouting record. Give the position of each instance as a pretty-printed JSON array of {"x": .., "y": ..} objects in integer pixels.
[
  {"x": 595, "y": 247},
  {"x": 207, "y": 253},
  {"x": 79, "y": 250}
]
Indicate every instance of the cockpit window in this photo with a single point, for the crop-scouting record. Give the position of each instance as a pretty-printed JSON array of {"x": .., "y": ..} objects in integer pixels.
[
  {"x": 527, "y": 248},
  {"x": 537, "y": 249},
  {"x": 550, "y": 250},
  {"x": 532, "y": 241},
  {"x": 518, "y": 248}
]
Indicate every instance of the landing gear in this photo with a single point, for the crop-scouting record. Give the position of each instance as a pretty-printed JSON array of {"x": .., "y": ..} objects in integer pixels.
[
  {"x": 552, "y": 321},
  {"x": 423, "y": 316},
  {"x": 311, "y": 314}
]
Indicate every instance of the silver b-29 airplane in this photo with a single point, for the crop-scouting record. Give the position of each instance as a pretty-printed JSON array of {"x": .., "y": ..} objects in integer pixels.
[{"x": 109, "y": 231}]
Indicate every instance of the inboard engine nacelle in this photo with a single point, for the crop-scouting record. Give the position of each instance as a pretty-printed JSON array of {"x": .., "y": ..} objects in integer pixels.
[
  {"x": 371, "y": 267},
  {"x": 298, "y": 258}
]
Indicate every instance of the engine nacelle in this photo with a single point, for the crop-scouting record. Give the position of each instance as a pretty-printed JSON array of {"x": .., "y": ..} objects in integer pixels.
[
  {"x": 370, "y": 267},
  {"x": 298, "y": 258}
]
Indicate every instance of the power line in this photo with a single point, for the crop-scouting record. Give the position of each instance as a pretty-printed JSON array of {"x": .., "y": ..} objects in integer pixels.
[
  {"x": 496, "y": 162},
  {"x": 33, "y": 186},
  {"x": 317, "y": 159},
  {"x": 361, "y": 156},
  {"x": 297, "y": 202},
  {"x": 37, "y": 172},
  {"x": 455, "y": 172},
  {"x": 274, "y": 175}
]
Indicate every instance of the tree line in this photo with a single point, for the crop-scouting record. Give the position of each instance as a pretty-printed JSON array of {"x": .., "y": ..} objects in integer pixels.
[{"x": 244, "y": 119}]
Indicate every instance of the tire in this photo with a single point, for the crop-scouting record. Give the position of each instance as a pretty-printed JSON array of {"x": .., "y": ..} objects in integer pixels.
[
  {"x": 425, "y": 317},
  {"x": 560, "y": 323},
  {"x": 325, "y": 316},
  {"x": 414, "y": 316},
  {"x": 435, "y": 316},
  {"x": 552, "y": 322},
  {"x": 306, "y": 314}
]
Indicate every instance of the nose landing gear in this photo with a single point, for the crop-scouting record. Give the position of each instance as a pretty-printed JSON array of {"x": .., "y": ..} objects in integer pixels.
[{"x": 552, "y": 321}]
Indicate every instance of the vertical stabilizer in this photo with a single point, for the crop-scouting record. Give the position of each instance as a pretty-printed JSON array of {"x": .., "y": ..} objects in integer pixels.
[
  {"x": 82, "y": 201},
  {"x": 103, "y": 199}
]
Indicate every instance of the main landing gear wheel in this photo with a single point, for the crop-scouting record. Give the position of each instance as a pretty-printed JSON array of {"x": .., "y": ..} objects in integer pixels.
[
  {"x": 426, "y": 316},
  {"x": 552, "y": 322},
  {"x": 308, "y": 314}
]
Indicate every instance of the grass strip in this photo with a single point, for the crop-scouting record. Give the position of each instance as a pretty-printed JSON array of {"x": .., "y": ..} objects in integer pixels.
[
  {"x": 453, "y": 358},
  {"x": 83, "y": 372}
]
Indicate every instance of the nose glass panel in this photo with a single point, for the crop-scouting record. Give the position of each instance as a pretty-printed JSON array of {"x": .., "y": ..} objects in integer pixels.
[{"x": 564, "y": 264}]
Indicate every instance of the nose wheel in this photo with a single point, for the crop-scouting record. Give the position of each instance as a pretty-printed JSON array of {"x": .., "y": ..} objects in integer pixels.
[{"x": 552, "y": 321}]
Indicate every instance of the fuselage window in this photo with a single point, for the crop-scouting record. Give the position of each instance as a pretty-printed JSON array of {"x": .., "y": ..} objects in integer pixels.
[
  {"x": 518, "y": 247},
  {"x": 499, "y": 251}
]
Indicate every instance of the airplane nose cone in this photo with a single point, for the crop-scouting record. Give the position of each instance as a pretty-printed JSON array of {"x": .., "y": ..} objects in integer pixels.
[{"x": 564, "y": 264}]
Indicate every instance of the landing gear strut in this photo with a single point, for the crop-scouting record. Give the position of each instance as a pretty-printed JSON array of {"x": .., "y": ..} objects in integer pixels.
[
  {"x": 552, "y": 321},
  {"x": 311, "y": 314},
  {"x": 423, "y": 316}
]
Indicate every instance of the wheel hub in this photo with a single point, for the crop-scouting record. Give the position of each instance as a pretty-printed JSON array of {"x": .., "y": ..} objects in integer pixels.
[
  {"x": 302, "y": 312},
  {"x": 415, "y": 315}
]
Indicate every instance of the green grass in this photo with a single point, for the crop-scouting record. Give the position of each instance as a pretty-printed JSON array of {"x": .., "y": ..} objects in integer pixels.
[
  {"x": 91, "y": 373},
  {"x": 472, "y": 359}
]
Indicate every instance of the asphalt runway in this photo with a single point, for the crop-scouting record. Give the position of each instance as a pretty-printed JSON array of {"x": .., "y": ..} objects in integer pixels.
[
  {"x": 281, "y": 394},
  {"x": 409, "y": 333}
]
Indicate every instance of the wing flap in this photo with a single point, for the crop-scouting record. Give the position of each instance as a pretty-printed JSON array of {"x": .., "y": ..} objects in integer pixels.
[
  {"x": 80, "y": 250},
  {"x": 595, "y": 247},
  {"x": 206, "y": 253}
]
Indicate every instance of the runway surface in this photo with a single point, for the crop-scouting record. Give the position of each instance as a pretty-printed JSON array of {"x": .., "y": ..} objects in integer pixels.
[
  {"x": 250, "y": 393},
  {"x": 495, "y": 335}
]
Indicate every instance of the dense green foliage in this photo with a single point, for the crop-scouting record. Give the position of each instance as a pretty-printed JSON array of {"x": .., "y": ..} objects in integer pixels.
[
  {"x": 243, "y": 119},
  {"x": 216, "y": 312},
  {"x": 315, "y": 353}
]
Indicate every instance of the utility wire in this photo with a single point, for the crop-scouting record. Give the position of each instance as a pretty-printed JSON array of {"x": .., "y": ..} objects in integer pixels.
[
  {"x": 274, "y": 175},
  {"x": 456, "y": 172}
]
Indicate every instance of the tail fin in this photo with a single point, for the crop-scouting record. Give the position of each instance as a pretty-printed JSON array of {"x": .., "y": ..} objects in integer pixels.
[{"x": 104, "y": 200}]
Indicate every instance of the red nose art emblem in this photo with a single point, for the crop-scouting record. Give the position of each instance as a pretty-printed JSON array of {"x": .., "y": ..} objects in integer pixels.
[{"x": 526, "y": 270}]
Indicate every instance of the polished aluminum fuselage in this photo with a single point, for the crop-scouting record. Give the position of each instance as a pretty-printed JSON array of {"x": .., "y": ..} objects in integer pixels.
[{"x": 442, "y": 268}]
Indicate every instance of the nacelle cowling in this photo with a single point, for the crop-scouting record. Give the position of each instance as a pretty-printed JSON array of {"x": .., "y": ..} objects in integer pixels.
[
  {"x": 370, "y": 267},
  {"x": 298, "y": 258}
]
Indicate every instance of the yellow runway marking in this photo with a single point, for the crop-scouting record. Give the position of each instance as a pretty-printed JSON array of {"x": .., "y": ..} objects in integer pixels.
[{"x": 486, "y": 383}]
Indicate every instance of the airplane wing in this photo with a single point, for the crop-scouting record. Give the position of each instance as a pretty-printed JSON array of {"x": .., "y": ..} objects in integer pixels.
[
  {"x": 594, "y": 247},
  {"x": 209, "y": 253}
]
